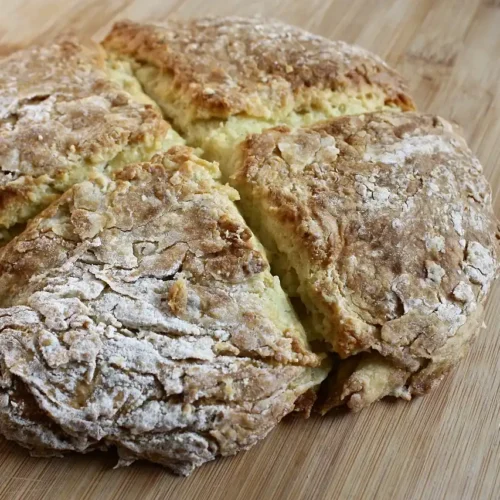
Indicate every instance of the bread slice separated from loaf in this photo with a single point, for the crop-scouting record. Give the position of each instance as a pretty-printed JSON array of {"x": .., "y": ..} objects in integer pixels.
[
  {"x": 382, "y": 224},
  {"x": 221, "y": 78},
  {"x": 139, "y": 312},
  {"x": 66, "y": 115}
]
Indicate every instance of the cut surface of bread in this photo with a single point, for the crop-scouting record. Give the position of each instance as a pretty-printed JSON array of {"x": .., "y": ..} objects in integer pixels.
[
  {"x": 382, "y": 224},
  {"x": 65, "y": 117},
  {"x": 219, "y": 79},
  {"x": 140, "y": 312}
]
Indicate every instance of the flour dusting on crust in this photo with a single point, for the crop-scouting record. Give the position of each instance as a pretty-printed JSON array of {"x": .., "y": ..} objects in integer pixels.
[
  {"x": 63, "y": 119},
  {"x": 140, "y": 312},
  {"x": 390, "y": 232}
]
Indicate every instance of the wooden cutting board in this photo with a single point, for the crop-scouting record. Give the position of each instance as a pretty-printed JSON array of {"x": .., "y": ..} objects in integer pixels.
[{"x": 445, "y": 445}]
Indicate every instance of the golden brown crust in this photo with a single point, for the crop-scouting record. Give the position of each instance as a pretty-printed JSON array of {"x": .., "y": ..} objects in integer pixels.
[
  {"x": 61, "y": 119},
  {"x": 361, "y": 380},
  {"x": 231, "y": 65},
  {"x": 305, "y": 402},
  {"x": 141, "y": 313},
  {"x": 387, "y": 220}
]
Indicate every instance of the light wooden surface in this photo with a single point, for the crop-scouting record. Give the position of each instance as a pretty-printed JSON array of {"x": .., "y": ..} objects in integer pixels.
[{"x": 446, "y": 445}]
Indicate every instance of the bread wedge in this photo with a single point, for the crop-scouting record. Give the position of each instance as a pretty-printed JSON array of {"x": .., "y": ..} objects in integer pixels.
[
  {"x": 140, "y": 313},
  {"x": 219, "y": 79},
  {"x": 65, "y": 116},
  {"x": 382, "y": 224}
]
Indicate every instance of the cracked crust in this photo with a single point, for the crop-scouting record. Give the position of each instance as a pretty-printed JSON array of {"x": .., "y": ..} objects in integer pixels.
[
  {"x": 233, "y": 65},
  {"x": 64, "y": 117},
  {"x": 140, "y": 312},
  {"x": 383, "y": 224},
  {"x": 220, "y": 78}
]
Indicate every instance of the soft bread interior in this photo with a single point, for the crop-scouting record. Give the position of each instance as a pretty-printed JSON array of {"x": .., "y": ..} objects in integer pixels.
[
  {"x": 218, "y": 138},
  {"x": 293, "y": 268}
]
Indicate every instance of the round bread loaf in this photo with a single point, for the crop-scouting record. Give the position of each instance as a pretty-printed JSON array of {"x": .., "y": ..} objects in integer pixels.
[{"x": 139, "y": 311}]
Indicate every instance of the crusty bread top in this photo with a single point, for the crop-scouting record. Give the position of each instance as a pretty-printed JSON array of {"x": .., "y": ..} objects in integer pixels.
[
  {"x": 231, "y": 65},
  {"x": 58, "y": 104},
  {"x": 141, "y": 312},
  {"x": 59, "y": 113},
  {"x": 391, "y": 216},
  {"x": 158, "y": 220}
]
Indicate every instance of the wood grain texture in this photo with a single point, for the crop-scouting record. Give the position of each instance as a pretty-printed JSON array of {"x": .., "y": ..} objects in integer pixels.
[{"x": 443, "y": 446}]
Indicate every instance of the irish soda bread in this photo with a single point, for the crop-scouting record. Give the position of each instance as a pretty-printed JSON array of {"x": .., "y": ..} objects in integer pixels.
[
  {"x": 137, "y": 310},
  {"x": 141, "y": 313},
  {"x": 219, "y": 79},
  {"x": 64, "y": 116},
  {"x": 382, "y": 224}
]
